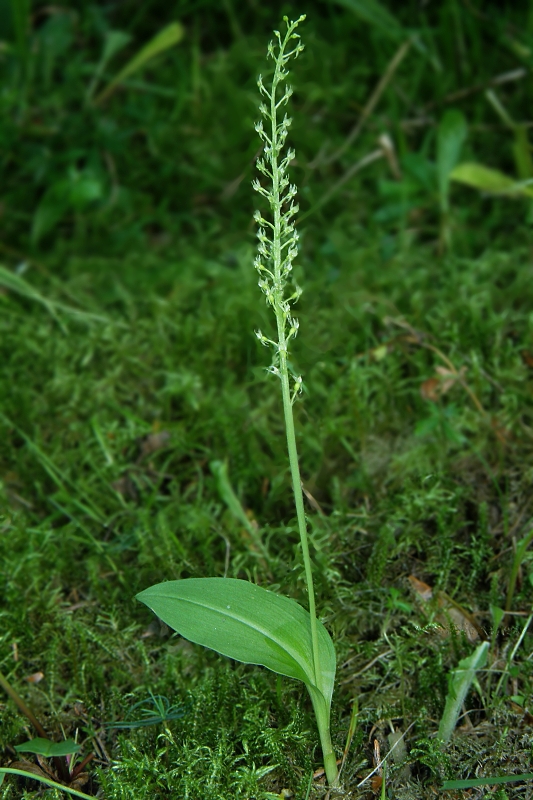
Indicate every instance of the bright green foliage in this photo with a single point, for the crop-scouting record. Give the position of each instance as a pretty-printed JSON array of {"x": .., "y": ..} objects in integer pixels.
[
  {"x": 44, "y": 747},
  {"x": 451, "y": 135},
  {"x": 128, "y": 367},
  {"x": 167, "y": 37},
  {"x": 490, "y": 180},
  {"x": 220, "y": 472},
  {"x": 246, "y": 623},
  {"x": 277, "y": 250},
  {"x": 236, "y": 618}
]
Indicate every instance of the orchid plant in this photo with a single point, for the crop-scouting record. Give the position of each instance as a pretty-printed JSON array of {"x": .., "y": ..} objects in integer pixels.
[{"x": 235, "y": 617}]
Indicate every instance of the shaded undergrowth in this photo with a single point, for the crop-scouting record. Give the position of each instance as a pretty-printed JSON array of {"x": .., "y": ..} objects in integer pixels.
[
  {"x": 110, "y": 427},
  {"x": 129, "y": 366}
]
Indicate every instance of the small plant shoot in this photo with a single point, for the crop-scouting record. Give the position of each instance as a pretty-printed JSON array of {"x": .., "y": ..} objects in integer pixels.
[{"x": 234, "y": 617}]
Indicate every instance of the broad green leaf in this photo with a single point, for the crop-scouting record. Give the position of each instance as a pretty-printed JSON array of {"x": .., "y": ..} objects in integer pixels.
[
  {"x": 489, "y": 180},
  {"x": 451, "y": 135},
  {"x": 459, "y": 683},
  {"x": 247, "y": 623},
  {"x": 44, "y": 747},
  {"x": 167, "y": 37}
]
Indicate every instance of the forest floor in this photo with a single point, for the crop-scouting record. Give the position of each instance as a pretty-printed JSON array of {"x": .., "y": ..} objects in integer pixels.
[
  {"x": 125, "y": 392},
  {"x": 143, "y": 439}
]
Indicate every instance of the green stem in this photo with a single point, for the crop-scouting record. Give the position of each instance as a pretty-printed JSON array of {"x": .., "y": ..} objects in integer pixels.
[
  {"x": 300, "y": 513},
  {"x": 281, "y": 316},
  {"x": 281, "y": 306},
  {"x": 322, "y": 718}
]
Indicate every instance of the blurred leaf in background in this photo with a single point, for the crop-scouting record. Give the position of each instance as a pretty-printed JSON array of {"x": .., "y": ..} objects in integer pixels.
[
  {"x": 377, "y": 15},
  {"x": 451, "y": 135},
  {"x": 167, "y": 37}
]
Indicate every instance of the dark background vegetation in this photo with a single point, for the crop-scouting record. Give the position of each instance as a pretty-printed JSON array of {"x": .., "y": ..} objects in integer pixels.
[{"x": 128, "y": 366}]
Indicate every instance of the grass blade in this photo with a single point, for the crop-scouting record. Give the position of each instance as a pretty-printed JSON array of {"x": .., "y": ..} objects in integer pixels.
[
  {"x": 46, "y": 781},
  {"x": 459, "y": 683},
  {"x": 15, "y": 283},
  {"x": 472, "y": 782},
  {"x": 489, "y": 180},
  {"x": 167, "y": 37},
  {"x": 451, "y": 134}
]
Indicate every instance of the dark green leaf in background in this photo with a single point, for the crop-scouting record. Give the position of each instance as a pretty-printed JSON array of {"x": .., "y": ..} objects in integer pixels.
[
  {"x": 376, "y": 15},
  {"x": 451, "y": 135},
  {"x": 44, "y": 747}
]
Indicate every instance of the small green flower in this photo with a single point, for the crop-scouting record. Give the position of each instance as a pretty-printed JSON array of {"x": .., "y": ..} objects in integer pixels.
[
  {"x": 278, "y": 238},
  {"x": 276, "y": 251}
]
